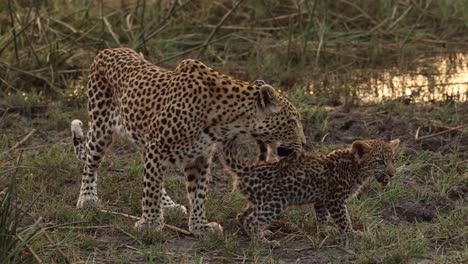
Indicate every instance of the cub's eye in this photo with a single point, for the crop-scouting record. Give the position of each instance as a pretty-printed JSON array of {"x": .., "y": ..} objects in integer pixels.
[{"x": 380, "y": 161}]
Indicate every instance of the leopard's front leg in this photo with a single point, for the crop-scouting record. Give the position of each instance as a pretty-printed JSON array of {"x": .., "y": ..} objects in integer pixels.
[
  {"x": 196, "y": 173},
  {"x": 155, "y": 168}
]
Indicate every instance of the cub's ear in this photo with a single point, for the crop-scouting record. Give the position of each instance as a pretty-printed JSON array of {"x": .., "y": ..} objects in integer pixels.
[
  {"x": 259, "y": 82},
  {"x": 267, "y": 100},
  {"x": 359, "y": 148},
  {"x": 394, "y": 144}
]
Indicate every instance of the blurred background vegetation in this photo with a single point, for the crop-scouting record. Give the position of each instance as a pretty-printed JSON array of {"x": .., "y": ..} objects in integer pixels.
[{"x": 46, "y": 47}]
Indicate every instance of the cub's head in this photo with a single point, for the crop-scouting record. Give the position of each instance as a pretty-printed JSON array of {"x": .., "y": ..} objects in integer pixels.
[
  {"x": 276, "y": 120},
  {"x": 376, "y": 158}
]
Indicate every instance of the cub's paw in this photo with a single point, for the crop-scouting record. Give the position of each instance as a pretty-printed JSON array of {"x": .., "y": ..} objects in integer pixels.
[
  {"x": 143, "y": 225},
  {"x": 357, "y": 233},
  {"x": 267, "y": 233},
  {"x": 259, "y": 238},
  {"x": 202, "y": 229},
  {"x": 88, "y": 201},
  {"x": 271, "y": 243}
]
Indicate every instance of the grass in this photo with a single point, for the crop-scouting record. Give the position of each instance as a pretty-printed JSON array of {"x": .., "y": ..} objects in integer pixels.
[
  {"x": 419, "y": 217},
  {"x": 323, "y": 54}
]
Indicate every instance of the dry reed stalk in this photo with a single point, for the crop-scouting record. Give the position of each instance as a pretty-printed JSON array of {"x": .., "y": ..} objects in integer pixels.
[
  {"x": 417, "y": 138},
  {"x": 221, "y": 22},
  {"x": 173, "y": 228}
]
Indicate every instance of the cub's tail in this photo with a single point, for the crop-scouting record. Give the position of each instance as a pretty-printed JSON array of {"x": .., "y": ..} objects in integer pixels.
[
  {"x": 78, "y": 139},
  {"x": 228, "y": 159}
]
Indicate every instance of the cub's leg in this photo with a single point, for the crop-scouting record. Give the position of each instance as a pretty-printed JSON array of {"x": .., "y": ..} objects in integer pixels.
[
  {"x": 321, "y": 214},
  {"x": 260, "y": 217},
  {"x": 266, "y": 154},
  {"x": 339, "y": 213},
  {"x": 155, "y": 167},
  {"x": 196, "y": 173},
  {"x": 262, "y": 151},
  {"x": 241, "y": 217},
  {"x": 168, "y": 204}
]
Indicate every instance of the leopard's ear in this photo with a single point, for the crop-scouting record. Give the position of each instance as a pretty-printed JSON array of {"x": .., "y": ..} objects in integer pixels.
[
  {"x": 267, "y": 100},
  {"x": 394, "y": 144},
  {"x": 359, "y": 148}
]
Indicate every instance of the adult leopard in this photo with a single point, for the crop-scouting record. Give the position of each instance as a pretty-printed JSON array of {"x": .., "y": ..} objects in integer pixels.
[{"x": 176, "y": 117}]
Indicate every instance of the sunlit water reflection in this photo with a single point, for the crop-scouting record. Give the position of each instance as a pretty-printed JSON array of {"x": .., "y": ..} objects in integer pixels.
[{"x": 438, "y": 79}]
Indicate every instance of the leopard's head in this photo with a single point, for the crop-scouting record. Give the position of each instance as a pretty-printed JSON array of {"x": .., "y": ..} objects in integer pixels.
[
  {"x": 376, "y": 158},
  {"x": 277, "y": 121}
]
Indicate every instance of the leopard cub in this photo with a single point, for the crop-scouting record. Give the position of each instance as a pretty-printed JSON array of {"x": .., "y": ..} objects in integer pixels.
[{"x": 328, "y": 181}]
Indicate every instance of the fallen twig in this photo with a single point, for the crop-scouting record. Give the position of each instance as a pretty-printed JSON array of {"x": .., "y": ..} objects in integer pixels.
[
  {"x": 130, "y": 235},
  {"x": 21, "y": 141},
  {"x": 38, "y": 259},
  {"x": 417, "y": 138},
  {"x": 173, "y": 228},
  {"x": 65, "y": 257}
]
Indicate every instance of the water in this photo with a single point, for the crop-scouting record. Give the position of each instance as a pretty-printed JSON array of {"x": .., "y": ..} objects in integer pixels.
[{"x": 437, "y": 79}]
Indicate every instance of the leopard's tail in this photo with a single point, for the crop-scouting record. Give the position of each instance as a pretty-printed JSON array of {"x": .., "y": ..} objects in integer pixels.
[{"x": 78, "y": 139}]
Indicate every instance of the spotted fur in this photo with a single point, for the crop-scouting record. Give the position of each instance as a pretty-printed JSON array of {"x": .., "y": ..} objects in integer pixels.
[
  {"x": 176, "y": 118},
  {"x": 328, "y": 181}
]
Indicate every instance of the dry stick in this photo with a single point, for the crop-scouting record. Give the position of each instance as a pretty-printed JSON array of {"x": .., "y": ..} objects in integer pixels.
[
  {"x": 65, "y": 224},
  {"x": 11, "y": 39},
  {"x": 38, "y": 259},
  {"x": 130, "y": 235},
  {"x": 360, "y": 10},
  {"x": 160, "y": 27},
  {"x": 417, "y": 138},
  {"x": 21, "y": 141},
  {"x": 109, "y": 28},
  {"x": 4, "y": 114},
  {"x": 10, "y": 9},
  {"x": 31, "y": 48},
  {"x": 213, "y": 32},
  {"x": 173, "y": 228},
  {"x": 399, "y": 18},
  {"x": 67, "y": 260},
  {"x": 247, "y": 28},
  {"x": 284, "y": 16},
  {"x": 194, "y": 48},
  {"x": 51, "y": 84}
]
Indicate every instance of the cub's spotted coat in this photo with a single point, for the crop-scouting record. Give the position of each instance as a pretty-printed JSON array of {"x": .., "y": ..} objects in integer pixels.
[{"x": 328, "y": 181}]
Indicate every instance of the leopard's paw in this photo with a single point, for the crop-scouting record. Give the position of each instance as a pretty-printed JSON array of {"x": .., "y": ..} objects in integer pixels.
[
  {"x": 143, "y": 225},
  {"x": 87, "y": 201},
  {"x": 201, "y": 229}
]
